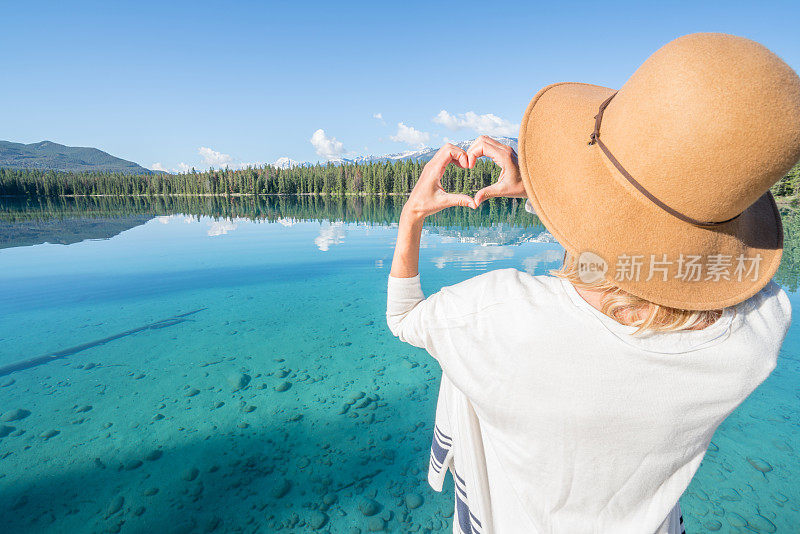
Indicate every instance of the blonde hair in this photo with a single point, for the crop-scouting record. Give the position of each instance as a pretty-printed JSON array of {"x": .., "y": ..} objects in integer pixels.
[{"x": 619, "y": 305}]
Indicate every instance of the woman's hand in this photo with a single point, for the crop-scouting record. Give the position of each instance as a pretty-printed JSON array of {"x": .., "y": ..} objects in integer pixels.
[
  {"x": 510, "y": 182},
  {"x": 428, "y": 196}
]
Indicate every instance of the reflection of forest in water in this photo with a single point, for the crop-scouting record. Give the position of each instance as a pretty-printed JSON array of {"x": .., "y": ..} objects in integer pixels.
[{"x": 28, "y": 221}]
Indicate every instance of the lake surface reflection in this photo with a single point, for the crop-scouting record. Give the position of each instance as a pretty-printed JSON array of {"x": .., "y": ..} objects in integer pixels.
[{"x": 224, "y": 365}]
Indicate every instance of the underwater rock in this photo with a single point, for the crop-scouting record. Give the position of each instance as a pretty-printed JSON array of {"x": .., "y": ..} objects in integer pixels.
[
  {"x": 99, "y": 463},
  {"x": 376, "y": 524},
  {"x": 303, "y": 462},
  {"x": 249, "y": 408},
  {"x": 5, "y": 430},
  {"x": 713, "y": 525},
  {"x": 89, "y": 365},
  {"x": 283, "y": 373},
  {"x": 364, "y": 403},
  {"x": 115, "y": 506},
  {"x": 83, "y": 409},
  {"x": 149, "y": 492},
  {"x": 296, "y": 417},
  {"x": 353, "y": 397},
  {"x": 47, "y": 434},
  {"x": 283, "y": 386},
  {"x": 317, "y": 520},
  {"x": 735, "y": 519},
  {"x": 448, "y": 509},
  {"x": 730, "y": 494},
  {"x": 330, "y": 498},
  {"x": 7, "y": 382},
  {"x": 243, "y": 424},
  {"x": 190, "y": 474},
  {"x": 761, "y": 524},
  {"x": 782, "y": 446},
  {"x": 158, "y": 417},
  {"x": 153, "y": 455},
  {"x": 15, "y": 415},
  {"x": 192, "y": 392},
  {"x": 238, "y": 381},
  {"x": 759, "y": 464},
  {"x": 139, "y": 511},
  {"x": 133, "y": 464},
  {"x": 369, "y": 507},
  {"x": 344, "y": 408},
  {"x": 21, "y": 502},
  {"x": 219, "y": 404},
  {"x": 139, "y": 376},
  {"x": 413, "y": 500},
  {"x": 280, "y": 489}
]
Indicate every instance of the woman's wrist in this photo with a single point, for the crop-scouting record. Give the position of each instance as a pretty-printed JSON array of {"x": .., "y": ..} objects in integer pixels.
[{"x": 411, "y": 216}]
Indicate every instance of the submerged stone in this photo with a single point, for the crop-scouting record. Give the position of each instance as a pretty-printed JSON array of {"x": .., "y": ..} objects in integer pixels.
[
  {"x": 115, "y": 505},
  {"x": 369, "y": 507},
  {"x": 317, "y": 520},
  {"x": 281, "y": 488},
  {"x": 413, "y": 500},
  {"x": 759, "y": 464},
  {"x": 283, "y": 386},
  {"x": 15, "y": 415},
  {"x": 238, "y": 380}
]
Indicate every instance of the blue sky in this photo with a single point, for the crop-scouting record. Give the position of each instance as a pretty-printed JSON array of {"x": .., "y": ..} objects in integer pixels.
[{"x": 197, "y": 83}]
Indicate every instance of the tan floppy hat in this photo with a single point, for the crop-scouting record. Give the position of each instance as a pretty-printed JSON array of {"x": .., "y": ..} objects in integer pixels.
[{"x": 665, "y": 190}]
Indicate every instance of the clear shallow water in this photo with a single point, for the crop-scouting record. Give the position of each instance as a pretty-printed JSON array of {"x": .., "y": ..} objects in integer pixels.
[{"x": 153, "y": 431}]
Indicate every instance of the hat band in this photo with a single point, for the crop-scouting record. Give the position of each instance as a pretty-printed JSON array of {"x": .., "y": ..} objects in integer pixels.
[{"x": 595, "y": 138}]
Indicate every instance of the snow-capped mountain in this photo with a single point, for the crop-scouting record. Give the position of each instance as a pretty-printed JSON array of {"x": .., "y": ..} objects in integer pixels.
[
  {"x": 284, "y": 163},
  {"x": 423, "y": 154}
]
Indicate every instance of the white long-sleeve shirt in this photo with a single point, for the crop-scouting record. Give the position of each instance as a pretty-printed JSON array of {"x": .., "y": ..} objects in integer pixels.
[{"x": 554, "y": 418}]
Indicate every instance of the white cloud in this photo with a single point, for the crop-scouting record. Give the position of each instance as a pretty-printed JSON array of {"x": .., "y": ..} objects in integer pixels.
[
  {"x": 547, "y": 256},
  {"x": 474, "y": 259},
  {"x": 330, "y": 235},
  {"x": 214, "y": 158},
  {"x": 488, "y": 124},
  {"x": 327, "y": 147},
  {"x": 244, "y": 165},
  {"x": 378, "y": 116},
  {"x": 158, "y": 167},
  {"x": 410, "y": 135},
  {"x": 183, "y": 167},
  {"x": 222, "y": 227}
]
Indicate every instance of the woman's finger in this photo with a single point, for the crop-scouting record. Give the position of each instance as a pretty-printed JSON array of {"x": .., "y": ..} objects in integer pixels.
[
  {"x": 490, "y": 191},
  {"x": 456, "y": 199},
  {"x": 486, "y": 146},
  {"x": 443, "y": 157}
]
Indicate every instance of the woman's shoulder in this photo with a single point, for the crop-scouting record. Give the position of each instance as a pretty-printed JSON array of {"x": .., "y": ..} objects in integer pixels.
[
  {"x": 769, "y": 308},
  {"x": 505, "y": 285}
]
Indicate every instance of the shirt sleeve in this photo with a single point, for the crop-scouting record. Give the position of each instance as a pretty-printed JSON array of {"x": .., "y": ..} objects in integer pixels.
[
  {"x": 423, "y": 322},
  {"x": 439, "y": 323}
]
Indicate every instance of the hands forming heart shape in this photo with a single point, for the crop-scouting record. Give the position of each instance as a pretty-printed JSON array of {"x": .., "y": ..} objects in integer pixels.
[{"x": 429, "y": 197}]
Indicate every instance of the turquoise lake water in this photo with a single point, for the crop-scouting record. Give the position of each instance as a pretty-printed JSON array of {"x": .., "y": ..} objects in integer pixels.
[{"x": 235, "y": 374}]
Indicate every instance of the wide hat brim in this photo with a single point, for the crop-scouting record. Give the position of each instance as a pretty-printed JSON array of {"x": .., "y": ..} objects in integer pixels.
[{"x": 589, "y": 206}]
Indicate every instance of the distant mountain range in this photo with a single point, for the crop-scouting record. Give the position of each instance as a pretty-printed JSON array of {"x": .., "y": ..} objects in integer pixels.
[
  {"x": 52, "y": 156},
  {"x": 422, "y": 154}
]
